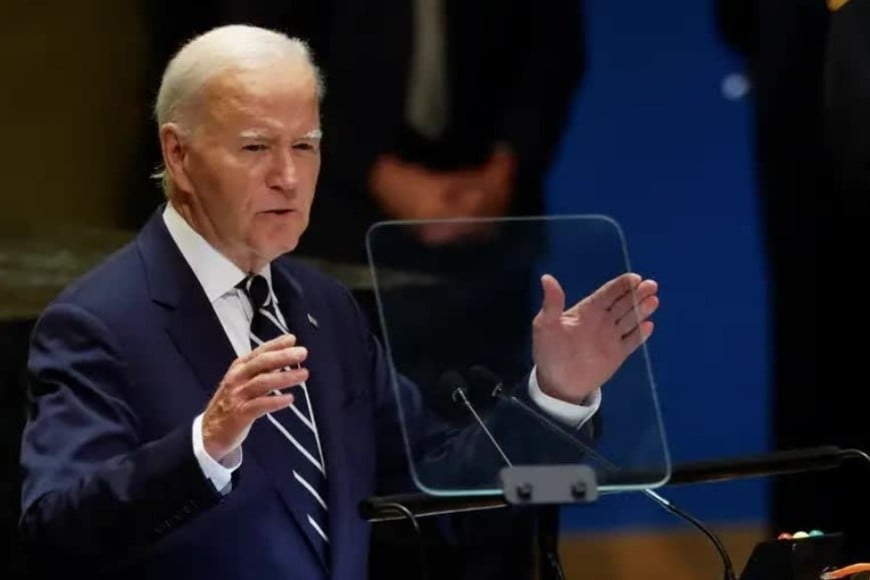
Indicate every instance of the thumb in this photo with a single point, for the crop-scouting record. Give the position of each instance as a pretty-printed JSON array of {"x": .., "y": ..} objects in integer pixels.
[{"x": 554, "y": 298}]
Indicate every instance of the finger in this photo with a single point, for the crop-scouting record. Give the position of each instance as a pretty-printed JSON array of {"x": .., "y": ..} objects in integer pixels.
[
  {"x": 256, "y": 408},
  {"x": 626, "y": 304},
  {"x": 611, "y": 291},
  {"x": 637, "y": 336},
  {"x": 644, "y": 310},
  {"x": 278, "y": 343},
  {"x": 267, "y": 382},
  {"x": 553, "y": 303},
  {"x": 269, "y": 361}
]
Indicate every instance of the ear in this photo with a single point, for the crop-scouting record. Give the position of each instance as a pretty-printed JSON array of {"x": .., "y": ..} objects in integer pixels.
[{"x": 175, "y": 149}]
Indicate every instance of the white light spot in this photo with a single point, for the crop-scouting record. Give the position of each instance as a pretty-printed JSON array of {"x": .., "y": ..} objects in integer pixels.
[{"x": 735, "y": 86}]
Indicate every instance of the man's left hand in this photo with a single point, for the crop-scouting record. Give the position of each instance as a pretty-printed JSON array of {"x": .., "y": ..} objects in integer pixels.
[{"x": 577, "y": 350}]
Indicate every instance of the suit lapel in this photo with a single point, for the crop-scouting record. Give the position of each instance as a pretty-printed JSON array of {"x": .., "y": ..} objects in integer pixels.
[
  {"x": 198, "y": 334},
  {"x": 192, "y": 323}
]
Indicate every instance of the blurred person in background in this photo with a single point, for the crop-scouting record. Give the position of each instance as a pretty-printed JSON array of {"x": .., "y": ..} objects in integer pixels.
[
  {"x": 808, "y": 61},
  {"x": 847, "y": 136}
]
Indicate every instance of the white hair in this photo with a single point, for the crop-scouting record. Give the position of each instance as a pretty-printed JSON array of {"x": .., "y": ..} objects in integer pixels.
[{"x": 234, "y": 46}]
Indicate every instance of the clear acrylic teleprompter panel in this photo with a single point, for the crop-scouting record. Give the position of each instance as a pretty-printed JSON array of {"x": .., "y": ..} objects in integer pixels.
[{"x": 462, "y": 323}]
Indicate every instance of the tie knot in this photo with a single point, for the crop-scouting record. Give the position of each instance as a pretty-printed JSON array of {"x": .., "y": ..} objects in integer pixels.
[{"x": 257, "y": 289}]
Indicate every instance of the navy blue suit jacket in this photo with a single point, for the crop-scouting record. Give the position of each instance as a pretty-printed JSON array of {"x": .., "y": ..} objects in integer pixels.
[{"x": 120, "y": 365}]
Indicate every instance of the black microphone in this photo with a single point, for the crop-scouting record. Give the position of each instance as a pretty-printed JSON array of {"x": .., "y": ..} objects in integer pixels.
[
  {"x": 485, "y": 376},
  {"x": 457, "y": 387}
]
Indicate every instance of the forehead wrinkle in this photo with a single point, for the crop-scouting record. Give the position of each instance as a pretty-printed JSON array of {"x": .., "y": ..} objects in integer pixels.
[{"x": 231, "y": 101}]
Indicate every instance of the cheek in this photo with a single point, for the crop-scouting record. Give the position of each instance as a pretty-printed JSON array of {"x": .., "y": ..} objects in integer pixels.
[
  {"x": 237, "y": 185},
  {"x": 213, "y": 175},
  {"x": 309, "y": 179},
  {"x": 229, "y": 200}
]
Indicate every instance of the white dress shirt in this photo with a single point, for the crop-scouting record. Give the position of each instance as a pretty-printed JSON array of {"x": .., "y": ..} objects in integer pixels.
[{"x": 218, "y": 277}]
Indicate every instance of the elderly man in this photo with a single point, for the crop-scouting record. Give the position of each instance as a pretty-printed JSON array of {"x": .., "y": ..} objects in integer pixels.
[{"x": 162, "y": 443}]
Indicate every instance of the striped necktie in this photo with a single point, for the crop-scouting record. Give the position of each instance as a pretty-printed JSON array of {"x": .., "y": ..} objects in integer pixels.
[{"x": 297, "y": 422}]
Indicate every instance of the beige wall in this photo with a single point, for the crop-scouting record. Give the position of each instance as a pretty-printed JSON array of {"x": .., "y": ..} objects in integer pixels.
[{"x": 69, "y": 109}]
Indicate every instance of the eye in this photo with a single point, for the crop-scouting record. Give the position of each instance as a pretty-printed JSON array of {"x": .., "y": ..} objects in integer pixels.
[
  {"x": 254, "y": 147},
  {"x": 307, "y": 146}
]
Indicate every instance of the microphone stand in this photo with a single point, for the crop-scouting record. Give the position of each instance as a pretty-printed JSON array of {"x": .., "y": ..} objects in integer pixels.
[
  {"x": 549, "y": 566},
  {"x": 547, "y": 521},
  {"x": 498, "y": 392}
]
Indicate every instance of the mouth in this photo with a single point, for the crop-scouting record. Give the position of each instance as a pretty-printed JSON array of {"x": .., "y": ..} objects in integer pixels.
[{"x": 278, "y": 212}]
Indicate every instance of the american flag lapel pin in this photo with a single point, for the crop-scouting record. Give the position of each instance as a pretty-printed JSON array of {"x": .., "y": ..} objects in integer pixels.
[{"x": 313, "y": 321}]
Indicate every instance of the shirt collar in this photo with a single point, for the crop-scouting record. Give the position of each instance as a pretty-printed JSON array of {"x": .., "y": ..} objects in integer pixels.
[{"x": 216, "y": 273}]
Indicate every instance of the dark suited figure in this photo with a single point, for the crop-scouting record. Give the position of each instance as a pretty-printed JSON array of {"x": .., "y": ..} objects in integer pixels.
[
  {"x": 439, "y": 109},
  {"x": 847, "y": 135},
  {"x": 811, "y": 135}
]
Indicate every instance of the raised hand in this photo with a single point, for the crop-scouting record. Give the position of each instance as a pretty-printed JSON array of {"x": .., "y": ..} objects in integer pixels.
[
  {"x": 245, "y": 393},
  {"x": 577, "y": 350}
]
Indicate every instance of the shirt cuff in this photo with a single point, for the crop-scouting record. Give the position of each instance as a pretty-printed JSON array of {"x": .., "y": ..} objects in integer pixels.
[
  {"x": 568, "y": 413},
  {"x": 219, "y": 473}
]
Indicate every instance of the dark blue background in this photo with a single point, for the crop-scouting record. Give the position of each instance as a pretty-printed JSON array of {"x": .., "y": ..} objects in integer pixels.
[{"x": 655, "y": 145}]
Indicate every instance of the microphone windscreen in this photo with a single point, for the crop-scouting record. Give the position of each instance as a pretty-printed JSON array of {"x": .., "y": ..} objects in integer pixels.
[
  {"x": 449, "y": 381},
  {"x": 484, "y": 377}
]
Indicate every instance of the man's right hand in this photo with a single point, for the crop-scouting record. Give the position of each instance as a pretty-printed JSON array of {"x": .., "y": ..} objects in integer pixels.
[{"x": 245, "y": 393}]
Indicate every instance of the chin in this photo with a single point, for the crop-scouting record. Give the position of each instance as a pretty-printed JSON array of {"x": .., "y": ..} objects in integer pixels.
[
  {"x": 285, "y": 247},
  {"x": 273, "y": 242}
]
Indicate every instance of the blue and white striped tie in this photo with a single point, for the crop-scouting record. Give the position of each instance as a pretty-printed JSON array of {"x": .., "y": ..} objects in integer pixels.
[{"x": 296, "y": 423}]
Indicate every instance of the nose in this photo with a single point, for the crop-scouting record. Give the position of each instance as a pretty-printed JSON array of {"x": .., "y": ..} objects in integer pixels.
[{"x": 282, "y": 176}]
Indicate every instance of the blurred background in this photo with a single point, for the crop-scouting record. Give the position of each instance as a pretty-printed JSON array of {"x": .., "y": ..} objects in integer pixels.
[{"x": 696, "y": 124}]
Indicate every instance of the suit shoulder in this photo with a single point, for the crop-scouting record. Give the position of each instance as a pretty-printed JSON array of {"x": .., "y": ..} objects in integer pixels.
[{"x": 114, "y": 280}]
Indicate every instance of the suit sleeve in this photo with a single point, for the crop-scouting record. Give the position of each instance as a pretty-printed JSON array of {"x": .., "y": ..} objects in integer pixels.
[{"x": 91, "y": 486}]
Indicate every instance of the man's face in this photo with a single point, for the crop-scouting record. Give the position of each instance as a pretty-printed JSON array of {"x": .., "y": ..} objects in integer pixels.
[{"x": 251, "y": 162}]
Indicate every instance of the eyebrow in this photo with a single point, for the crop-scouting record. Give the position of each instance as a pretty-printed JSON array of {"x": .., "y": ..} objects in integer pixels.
[{"x": 255, "y": 134}]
